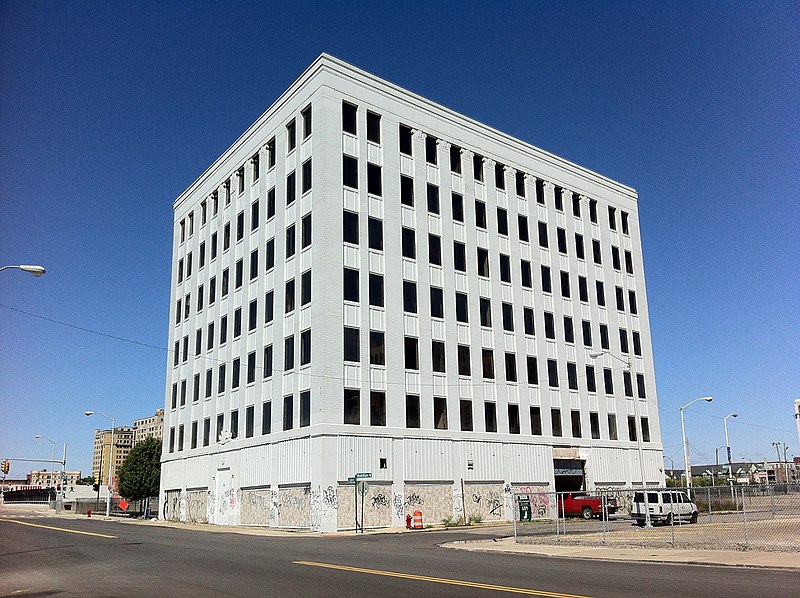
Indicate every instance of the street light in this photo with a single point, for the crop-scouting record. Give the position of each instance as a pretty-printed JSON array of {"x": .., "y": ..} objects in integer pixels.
[
  {"x": 53, "y": 453},
  {"x": 685, "y": 442},
  {"x": 628, "y": 367},
  {"x": 110, "y": 457},
  {"x": 37, "y": 271},
  {"x": 728, "y": 445}
]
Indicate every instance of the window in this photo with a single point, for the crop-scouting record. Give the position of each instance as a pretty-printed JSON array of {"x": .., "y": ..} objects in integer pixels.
[
  {"x": 558, "y": 198},
  {"x": 221, "y": 379},
  {"x": 288, "y": 353},
  {"x": 485, "y": 306},
  {"x": 240, "y": 179},
  {"x": 594, "y": 425},
  {"x": 477, "y": 167},
  {"x": 536, "y": 421},
  {"x": 632, "y": 427},
  {"x": 464, "y": 367},
  {"x": 305, "y": 288},
  {"x": 174, "y": 396},
  {"x": 576, "y": 205},
  {"x": 375, "y": 290},
  {"x": 238, "y": 273},
  {"x": 483, "y": 262},
  {"x": 266, "y": 417},
  {"x": 637, "y": 343},
  {"x": 254, "y": 264},
  {"x": 437, "y": 303},
  {"x": 206, "y": 431},
  {"x": 289, "y": 241},
  {"x": 254, "y": 214},
  {"x": 519, "y": 178},
  {"x": 596, "y": 253},
  {"x": 433, "y": 199},
  {"x": 572, "y": 376},
  {"x": 305, "y": 184},
  {"x": 552, "y": 373},
  {"x": 601, "y": 294},
  {"x": 289, "y": 297},
  {"x": 209, "y": 382},
  {"x": 234, "y": 424},
  {"x": 487, "y": 356},
  {"x": 352, "y": 347},
  {"x": 268, "y": 361},
  {"x": 291, "y": 135},
  {"x": 604, "y": 336},
  {"x": 561, "y": 237},
  {"x": 350, "y": 171},
  {"x": 624, "y": 222},
  {"x": 305, "y": 408},
  {"x": 409, "y": 243},
  {"x": 202, "y": 254},
  {"x": 623, "y": 340},
  {"x": 587, "y": 333},
  {"x": 508, "y": 317},
  {"x": 180, "y": 437},
  {"x": 270, "y": 258},
  {"x": 271, "y": 153},
  {"x": 377, "y": 409},
  {"x": 406, "y": 144},
  {"x": 645, "y": 429},
  {"x": 288, "y": 412},
  {"x": 555, "y": 420},
  {"x": 608, "y": 380},
  {"x": 412, "y": 411},
  {"x": 499, "y": 176},
  {"x": 583, "y": 289},
  {"x": 462, "y": 309},
  {"x": 305, "y": 347},
  {"x": 252, "y": 315},
  {"x": 612, "y": 426},
  {"x": 490, "y": 416},
  {"x": 269, "y": 307},
  {"x": 511, "y": 367},
  {"x": 565, "y": 291},
  {"x": 237, "y": 322},
  {"x": 352, "y": 406},
  {"x": 533, "y": 369},
  {"x": 411, "y": 351},
  {"x": 350, "y": 227},
  {"x": 223, "y": 330},
  {"x": 375, "y": 233},
  {"x": 180, "y": 270},
  {"x": 271, "y": 203},
  {"x": 579, "y": 252},
  {"x": 178, "y": 311},
  {"x": 196, "y": 388},
  {"x": 465, "y": 408},
  {"x": 525, "y": 274},
  {"x": 576, "y": 423},
  {"x": 374, "y": 184},
  {"x": 505, "y": 268},
  {"x": 640, "y": 386},
  {"x": 306, "y": 115},
  {"x": 569, "y": 333},
  {"x": 434, "y": 250},
  {"x": 593, "y": 211},
  {"x": 409, "y": 297},
  {"x": 591, "y": 381},
  {"x": 620, "y": 296},
  {"x": 373, "y": 127},
  {"x": 458, "y": 207},
  {"x": 440, "y": 413},
  {"x": 628, "y": 262},
  {"x": 615, "y": 261},
  {"x": 249, "y": 414},
  {"x": 437, "y": 356},
  {"x": 627, "y": 383},
  {"x": 240, "y": 226},
  {"x": 214, "y": 246},
  {"x": 522, "y": 221},
  {"x": 455, "y": 159},
  {"x": 612, "y": 217},
  {"x": 549, "y": 325},
  {"x": 632, "y": 302},
  {"x": 459, "y": 256},
  {"x": 430, "y": 150},
  {"x": 547, "y": 286},
  {"x": 349, "y": 118},
  {"x": 406, "y": 191},
  {"x": 502, "y": 222},
  {"x": 480, "y": 214},
  {"x": 377, "y": 348}
]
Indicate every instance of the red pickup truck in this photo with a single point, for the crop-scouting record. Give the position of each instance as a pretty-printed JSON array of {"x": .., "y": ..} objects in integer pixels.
[{"x": 581, "y": 504}]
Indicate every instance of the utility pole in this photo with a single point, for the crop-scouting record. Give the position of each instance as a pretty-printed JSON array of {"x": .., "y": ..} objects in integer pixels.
[{"x": 778, "y": 453}]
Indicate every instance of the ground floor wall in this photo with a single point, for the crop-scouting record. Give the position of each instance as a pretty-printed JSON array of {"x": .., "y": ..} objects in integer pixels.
[{"x": 306, "y": 482}]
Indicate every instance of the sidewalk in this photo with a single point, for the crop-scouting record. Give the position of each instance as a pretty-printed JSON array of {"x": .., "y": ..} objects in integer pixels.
[{"x": 731, "y": 558}]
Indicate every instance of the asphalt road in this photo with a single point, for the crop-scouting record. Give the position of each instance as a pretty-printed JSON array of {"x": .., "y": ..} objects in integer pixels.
[{"x": 122, "y": 559}]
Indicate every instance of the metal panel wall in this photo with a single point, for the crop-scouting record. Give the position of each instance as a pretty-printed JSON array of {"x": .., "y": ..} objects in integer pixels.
[
  {"x": 362, "y": 454},
  {"x": 254, "y": 466},
  {"x": 609, "y": 465},
  {"x": 427, "y": 459},
  {"x": 293, "y": 461},
  {"x": 530, "y": 463},
  {"x": 486, "y": 458}
]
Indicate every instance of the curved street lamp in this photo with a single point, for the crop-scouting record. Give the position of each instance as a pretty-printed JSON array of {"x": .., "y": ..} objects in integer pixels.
[
  {"x": 53, "y": 452},
  {"x": 685, "y": 442},
  {"x": 110, "y": 457},
  {"x": 36, "y": 271}
]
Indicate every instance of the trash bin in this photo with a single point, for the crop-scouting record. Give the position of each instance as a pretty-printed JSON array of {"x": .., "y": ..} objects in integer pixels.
[{"x": 524, "y": 508}]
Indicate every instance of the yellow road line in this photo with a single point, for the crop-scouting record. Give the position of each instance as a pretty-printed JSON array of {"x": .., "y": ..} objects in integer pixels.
[
  {"x": 58, "y": 529},
  {"x": 454, "y": 582}
]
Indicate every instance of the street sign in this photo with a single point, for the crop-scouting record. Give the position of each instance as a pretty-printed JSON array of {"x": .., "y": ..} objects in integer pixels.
[
  {"x": 351, "y": 480},
  {"x": 363, "y": 488},
  {"x": 361, "y": 476}
]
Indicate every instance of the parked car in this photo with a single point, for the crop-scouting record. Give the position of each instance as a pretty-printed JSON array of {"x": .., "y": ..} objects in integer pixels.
[
  {"x": 581, "y": 504},
  {"x": 665, "y": 506}
]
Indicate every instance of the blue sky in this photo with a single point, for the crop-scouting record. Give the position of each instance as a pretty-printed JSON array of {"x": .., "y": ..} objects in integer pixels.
[{"x": 108, "y": 111}]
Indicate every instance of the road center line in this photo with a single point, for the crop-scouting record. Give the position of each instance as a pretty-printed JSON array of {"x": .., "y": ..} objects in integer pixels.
[
  {"x": 58, "y": 529},
  {"x": 454, "y": 582}
]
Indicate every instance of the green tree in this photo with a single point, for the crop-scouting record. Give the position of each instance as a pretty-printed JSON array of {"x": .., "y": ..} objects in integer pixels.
[
  {"x": 86, "y": 481},
  {"x": 139, "y": 475}
]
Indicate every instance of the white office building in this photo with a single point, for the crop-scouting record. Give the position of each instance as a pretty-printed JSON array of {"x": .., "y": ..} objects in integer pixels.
[{"x": 369, "y": 282}]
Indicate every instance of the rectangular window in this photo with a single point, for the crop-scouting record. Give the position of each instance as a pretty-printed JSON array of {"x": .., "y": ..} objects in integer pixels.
[
  {"x": 596, "y": 252},
  {"x": 305, "y": 288},
  {"x": 583, "y": 289},
  {"x": 374, "y": 180},
  {"x": 269, "y": 306},
  {"x": 569, "y": 333},
  {"x": 500, "y": 176},
  {"x": 437, "y": 356},
  {"x": 612, "y": 217},
  {"x": 239, "y": 273},
  {"x": 291, "y": 135},
  {"x": 352, "y": 406},
  {"x": 223, "y": 330},
  {"x": 593, "y": 211},
  {"x": 202, "y": 257},
  {"x": 632, "y": 428},
  {"x": 645, "y": 429},
  {"x": 615, "y": 261},
  {"x": 430, "y": 150},
  {"x": 196, "y": 388},
  {"x": 552, "y": 373},
  {"x": 505, "y": 268},
  {"x": 406, "y": 140},
  {"x": 485, "y": 308},
  {"x": 406, "y": 191},
  {"x": 377, "y": 348},
  {"x": 254, "y": 214},
  {"x": 490, "y": 416},
  {"x": 483, "y": 262},
  {"x": 305, "y": 408},
  {"x": 411, "y": 350},
  {"x": 434, "y": 250},
  {"x": 373, "y": 127},
  {"x": 437, "y": 303},
  {"x": 288, "y": 353},
  {"x": 579, "y": 252},
  {"x": 555, "y": 420},
  {"x": 306, "y": 115},
  {"x": 511, "y": 367},
  {"x": 305, "y": 184},
  {"x": 349, "y": 119},
  {"x": 549, "y": 325},
  {"x": 525, "y": 274},
  {"x": 458, "y": 207},
  {"x": 214, "y": 246},
  {"x": 604, "y": 344},
  {"x": 628, "y": 262},
  {"x": 572, "y": 375},
  {"x": 240, "y": 226},
  {"x": 234, "y": 424},
  {"x": 412, "y": 411},
  {"x": 601, "y": 294},
  {"x": 465, "y": 409},
  {"x": 576, "y": 423},
  {"x": 620, "y": 296},
  {"x": 266, "y": 417},
  {"x": 377, "y": 408},
  {"x": 271, "y": 203},
  {"x": 455, "y": 159},
  {"x": 252, "y": 315},
  {"x": 612, "y": 426},
  {"x": 637, "y": 343},
  {"x": 462, "y": 308},
  {"x": 350, "y": 171},
  {"x": 594, "y": 425},
  {"x": 376, "y": 290},
  {"x": 536, "y": 421},
  {"x": 561, "y": 238},
  {"x": 558, "y": 198},
  {"x": 488, "y": 363},
  {"x": 271, "y": 153},
  {"x": 576, "y": 205},
  {"x": 305, "y": 227},
  {"x": 254, "y": 264},
  {"x": 180, "y": 437},
  {"x": 221, "y": 379},
  {"x": 522, "y": 222},
  {"x": 508, "y": 317},
  {"x": 206, "y": 431},
  {"x": 587, "y": 333},
  {"x": 547, "y": 286},
  {"x": 249, "y": 416},
  {"x": 288, "y": 412},
  {"x": 502, "y": 222},
  {"x": 632, "y": 302},
  {"x": 591, "y": 380},
  {"x": 235, "y": 373},
  {"x": 409, "y": 243},
  {"x": 268, "y": 361},
  {"x": 375, "y": 233},
  {"x": 209, "y": 382},
  {"x": 352, "y": 347},
  {"x": 237, "y": 322},
  {"x": 305, "y": 347},
  {"x": 464, "y": 366},
  {"x": 627, "y": 382},
  {"x": 440, "y": 413},
  {"x": 251, "y": 367},
  {"x": 459, "y": 256},
  {"x": 480, "y": 214},
  {"x": 513, "y": 419},
  {"x": 640, "y": 386},
  {"x": 623, "y": 340},
  {"x": 565, "y": 290},
  {"x": 409, "y": 297},
  {"x": 533, "y": 369},
  {"x": 270, "y": 258},
  {"x": 608, "y": 379},
  {"x": 290, "y": 241},
  {"x": 172, "y": 440},
  {"x": 519, "y": 178},
  {"x": 433, "y": 199},
  {"x": 350, "y": 227}
]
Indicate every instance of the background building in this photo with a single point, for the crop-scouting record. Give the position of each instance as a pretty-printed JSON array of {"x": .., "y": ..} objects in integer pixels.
[
  {"x": 123, "y": 442},
  {"x": 52, "y": 479},
  {"x": 368, "y": 282},
  {"x": 149, "y": 427}
]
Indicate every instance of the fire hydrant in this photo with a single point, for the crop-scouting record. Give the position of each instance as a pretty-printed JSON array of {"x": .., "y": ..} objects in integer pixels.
[
  {"x": 408, "y": 521},
  {"x": 88, "y": 512}
]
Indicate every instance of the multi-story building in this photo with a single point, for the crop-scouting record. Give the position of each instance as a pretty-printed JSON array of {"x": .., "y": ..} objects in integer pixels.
[
  {"x": 369, "y": 282},
  {"x": 123, "y": 442},
  {"x": 149, "y": 427},
  {"x": 53, "y": 479}
]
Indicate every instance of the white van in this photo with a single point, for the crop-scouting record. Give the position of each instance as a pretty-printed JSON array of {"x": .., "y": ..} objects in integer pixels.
[{"x": 665, "y": 506}]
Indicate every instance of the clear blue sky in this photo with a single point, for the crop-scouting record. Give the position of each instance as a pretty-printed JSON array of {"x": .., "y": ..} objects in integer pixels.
[{"x": 109, "y": 111}]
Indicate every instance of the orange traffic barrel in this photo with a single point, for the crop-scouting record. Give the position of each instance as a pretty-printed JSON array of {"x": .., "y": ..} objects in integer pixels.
[{"x": 417, "y": 519}]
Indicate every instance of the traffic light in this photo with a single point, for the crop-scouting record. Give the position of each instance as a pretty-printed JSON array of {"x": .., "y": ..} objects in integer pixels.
[
  {"x": 96, "y": 485},
  {"x": 6, "y": 466}
]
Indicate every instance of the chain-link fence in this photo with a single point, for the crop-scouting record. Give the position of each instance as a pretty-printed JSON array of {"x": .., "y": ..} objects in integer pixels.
[
  {"x": 722, "y": 517},
  {"x": 134, "y": 508}
]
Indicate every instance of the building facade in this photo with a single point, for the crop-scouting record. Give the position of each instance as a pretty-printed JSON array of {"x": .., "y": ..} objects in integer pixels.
[
  {"x": 53, "y": 479},
  {"x": 368, "y": 282},
  {"x": 149, "y": 427},
  {"x": 101, "y": 458}
]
